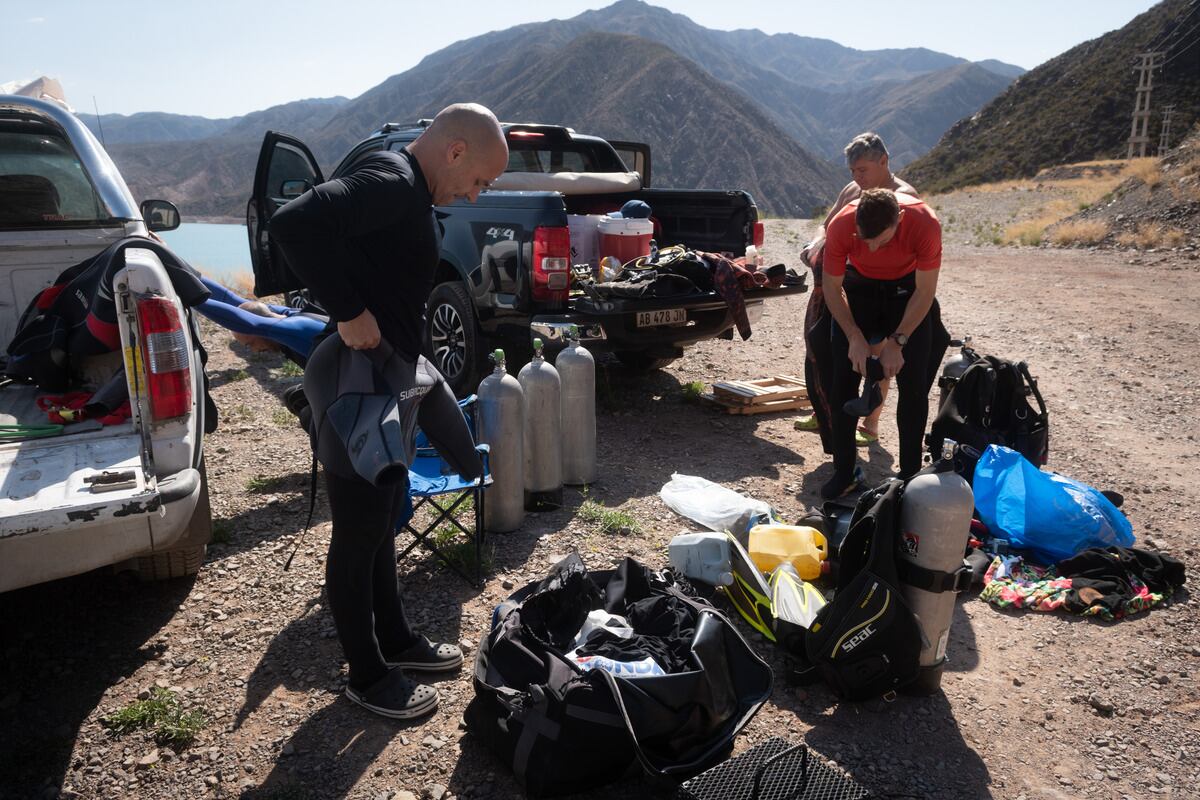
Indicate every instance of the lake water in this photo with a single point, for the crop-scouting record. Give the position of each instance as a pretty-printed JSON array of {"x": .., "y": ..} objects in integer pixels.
[{"x": 219, "y": 251}]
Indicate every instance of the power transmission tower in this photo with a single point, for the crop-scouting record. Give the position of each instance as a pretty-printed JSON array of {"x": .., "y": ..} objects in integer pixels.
[
  {"x": 1164, "y": 138},
  {"x": 1141, "y": 102}
]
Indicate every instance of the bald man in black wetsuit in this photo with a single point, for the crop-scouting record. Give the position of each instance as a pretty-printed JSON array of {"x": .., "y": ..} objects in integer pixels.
[{"x": 367, "y": 245}]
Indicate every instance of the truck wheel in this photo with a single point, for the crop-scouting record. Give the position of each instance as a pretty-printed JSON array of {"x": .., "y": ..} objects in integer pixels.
[
  {"x": 637, "y": 361},
  {"x": 188, "y": 553},
  {"x": 177, "y": 563},
  {"x": 453, "y": 342}
]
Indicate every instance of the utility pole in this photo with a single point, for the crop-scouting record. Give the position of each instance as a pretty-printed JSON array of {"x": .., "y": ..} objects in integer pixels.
[
  {"x": 1164, "y": 138},
  {"x": 1141, "y": 102}
]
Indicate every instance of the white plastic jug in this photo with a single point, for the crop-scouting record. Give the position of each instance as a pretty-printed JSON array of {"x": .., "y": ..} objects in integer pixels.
[{"x": 702, "y": 556}]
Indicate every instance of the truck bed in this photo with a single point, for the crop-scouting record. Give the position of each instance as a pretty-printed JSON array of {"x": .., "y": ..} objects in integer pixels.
[{"x": 42, "y": 479}]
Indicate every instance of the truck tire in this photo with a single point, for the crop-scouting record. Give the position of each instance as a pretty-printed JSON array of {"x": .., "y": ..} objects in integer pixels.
[
  {"x": 188, "y": 553},
  {"x": 637, "y": 361},
  {"x": 453, "y": 342},
  {"x": 177, "y": 563}
]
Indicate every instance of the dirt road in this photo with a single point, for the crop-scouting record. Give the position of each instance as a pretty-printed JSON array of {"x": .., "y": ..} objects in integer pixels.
[{"x": 1034, "y": 705}]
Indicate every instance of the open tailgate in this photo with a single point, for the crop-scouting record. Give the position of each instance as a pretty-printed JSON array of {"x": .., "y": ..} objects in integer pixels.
[{"x": 77, "y": 483}]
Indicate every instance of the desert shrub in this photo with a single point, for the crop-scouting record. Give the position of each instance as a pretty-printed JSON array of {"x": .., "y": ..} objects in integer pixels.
[
  {"x": 1146, "y": 170},
  {"x": 1079, "y": 232},
  {"x": 1152, "y": 234},
  {"x": 1030, "y": 232}
]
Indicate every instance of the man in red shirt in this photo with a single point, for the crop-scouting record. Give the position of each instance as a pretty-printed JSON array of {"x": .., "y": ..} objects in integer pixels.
[
  {"x": 867, "y": 158},
  {"x": 880, "y": 303}
]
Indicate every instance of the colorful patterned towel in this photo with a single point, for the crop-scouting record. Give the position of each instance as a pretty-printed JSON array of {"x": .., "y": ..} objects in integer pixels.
[{"x": 1010, "y": 582}]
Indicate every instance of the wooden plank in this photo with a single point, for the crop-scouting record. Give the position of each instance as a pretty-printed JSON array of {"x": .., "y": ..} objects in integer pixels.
[
  {"x": 763, "y": 390},
  {"x": 771, "y": 406},
  {"x": 764, "y": 385}
]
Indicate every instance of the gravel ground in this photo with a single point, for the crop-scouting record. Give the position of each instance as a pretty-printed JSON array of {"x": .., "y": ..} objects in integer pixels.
[{"x": 1033, "y": 705}]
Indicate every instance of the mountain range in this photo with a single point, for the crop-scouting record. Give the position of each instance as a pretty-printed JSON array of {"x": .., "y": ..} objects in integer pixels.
[
  {"x": 1076, "y": 107},
  {"x": 720, "y": 109}
]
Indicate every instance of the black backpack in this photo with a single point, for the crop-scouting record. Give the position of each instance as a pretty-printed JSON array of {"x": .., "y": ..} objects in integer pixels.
[
  {"x": 563, "y": 729},
  {"x": 989, "y": 404},
  {"x": 865, "y": 642}
]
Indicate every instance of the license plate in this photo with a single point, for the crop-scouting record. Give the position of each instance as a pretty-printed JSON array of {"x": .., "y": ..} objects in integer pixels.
[{"x": 666, "y": 316}]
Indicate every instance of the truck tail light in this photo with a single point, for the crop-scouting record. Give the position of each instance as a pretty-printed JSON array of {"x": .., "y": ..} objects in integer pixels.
[
  {"x": 759, "y": 234},
  {"x": 551, "y": 264},
  {"x": 167, "y": 357}
]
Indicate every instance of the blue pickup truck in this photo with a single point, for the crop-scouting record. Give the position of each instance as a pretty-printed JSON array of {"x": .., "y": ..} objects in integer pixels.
[{"x": 504, "y": 273}]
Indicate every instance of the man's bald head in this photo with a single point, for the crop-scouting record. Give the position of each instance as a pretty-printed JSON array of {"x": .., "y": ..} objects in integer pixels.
[
  {"x": 461, "y": 152},
  {"x": 470, "y": 122}
]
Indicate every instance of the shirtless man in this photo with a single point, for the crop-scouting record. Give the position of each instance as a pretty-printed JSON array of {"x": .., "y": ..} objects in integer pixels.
[{"x": 867, "y": 158}]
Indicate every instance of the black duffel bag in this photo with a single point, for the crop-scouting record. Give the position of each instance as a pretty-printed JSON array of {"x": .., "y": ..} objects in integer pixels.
[
  {"x": 989, "y": 404},
  {"x": 563, "y": 729}
]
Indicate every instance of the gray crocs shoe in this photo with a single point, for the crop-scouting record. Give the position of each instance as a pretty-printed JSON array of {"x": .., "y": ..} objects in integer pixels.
[
  {"x": 397, "y": 696},
  {"x": 425, "y": 656}
]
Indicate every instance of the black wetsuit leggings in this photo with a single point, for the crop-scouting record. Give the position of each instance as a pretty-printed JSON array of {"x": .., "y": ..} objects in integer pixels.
[
  {"x": 360, "y": 575},
  {"x": 878, "y": 307}
]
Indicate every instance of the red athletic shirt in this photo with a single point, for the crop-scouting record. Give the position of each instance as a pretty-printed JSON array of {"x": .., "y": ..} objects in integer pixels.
[{"x": 916, "y": 245}]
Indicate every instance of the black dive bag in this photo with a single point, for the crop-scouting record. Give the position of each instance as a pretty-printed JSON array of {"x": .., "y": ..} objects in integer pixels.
[
  {"x": 989, "y": 404},
  {"x": 865, "y": 642},
  {"x": 563, "y": 729}
]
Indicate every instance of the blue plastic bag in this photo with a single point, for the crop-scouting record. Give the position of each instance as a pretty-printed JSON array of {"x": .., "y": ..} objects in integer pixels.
[{"x": 1053, "y": 516}]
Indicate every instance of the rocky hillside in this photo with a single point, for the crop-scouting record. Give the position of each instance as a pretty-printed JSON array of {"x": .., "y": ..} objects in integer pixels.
[
  {"x": 153, "y": 126},
  {"x": 703, "y": 134},
  {"x": 913, "y": 113},
  {"x": 1159, "y": 208},
  {"x": 818, "y": 91},
  {"x": 1075, "y": 107},
  {"x": 299, "y": 116},
  {"x": 749, "y": 110}
]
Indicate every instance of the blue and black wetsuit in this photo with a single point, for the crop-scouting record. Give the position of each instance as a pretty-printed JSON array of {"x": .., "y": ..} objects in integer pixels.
[{"x": 296, "y": 332}]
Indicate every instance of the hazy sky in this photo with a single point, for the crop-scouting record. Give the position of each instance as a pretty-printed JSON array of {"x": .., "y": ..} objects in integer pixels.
[{"x": 220, "y": 58}]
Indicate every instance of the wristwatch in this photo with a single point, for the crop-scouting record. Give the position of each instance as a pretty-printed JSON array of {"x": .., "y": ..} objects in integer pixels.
[{"x": 899, "y": 338}]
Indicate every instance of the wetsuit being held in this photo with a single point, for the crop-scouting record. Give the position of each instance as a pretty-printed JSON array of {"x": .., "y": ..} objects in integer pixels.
[
  {"x": 894, "y": 247},
  {"x": 367, "y": 245}
]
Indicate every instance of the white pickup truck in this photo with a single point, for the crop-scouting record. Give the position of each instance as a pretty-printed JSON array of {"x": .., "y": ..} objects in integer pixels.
[{"x": 130, "y": 494}]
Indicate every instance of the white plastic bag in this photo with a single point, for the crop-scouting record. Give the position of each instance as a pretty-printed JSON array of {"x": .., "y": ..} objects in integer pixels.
[
  {"x": 602, "y": 620},
  {"x": 711, "y": 504}
]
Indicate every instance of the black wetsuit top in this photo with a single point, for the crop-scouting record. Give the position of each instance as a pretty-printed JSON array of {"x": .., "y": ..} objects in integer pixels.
[{"x": 367, "y": 240}]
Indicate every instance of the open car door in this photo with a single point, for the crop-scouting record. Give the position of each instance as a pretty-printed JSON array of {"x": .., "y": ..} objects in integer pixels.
[
  {"x": 286, "y": 169},
  {"x": 636, "y": 157}
]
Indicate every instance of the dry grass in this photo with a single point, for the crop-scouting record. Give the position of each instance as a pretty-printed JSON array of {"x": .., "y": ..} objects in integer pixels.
[
  {"x": 1151, "y": 234},
  {"x": 1147, "y": 170},
  {"x": 1020, "y": 185},
  {"x": 242, "y": 283},
  {"x": 1088, "y": 187},
  {"x": 1032, "y": 232},
  {"x": 1079, "y": 232},
  {"x": 1092, "y": 182},
  {"x": 1029, "y": 233}
]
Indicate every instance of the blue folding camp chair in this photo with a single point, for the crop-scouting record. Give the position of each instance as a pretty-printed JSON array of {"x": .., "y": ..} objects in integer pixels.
[{"x": 434, "y": 484}]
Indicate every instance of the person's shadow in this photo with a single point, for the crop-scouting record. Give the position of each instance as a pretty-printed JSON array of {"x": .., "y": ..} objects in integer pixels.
[
  {"x": 65, "y": 644},
  {"x": 910, "y": 747},
  {"x": 334, "y": 746}
]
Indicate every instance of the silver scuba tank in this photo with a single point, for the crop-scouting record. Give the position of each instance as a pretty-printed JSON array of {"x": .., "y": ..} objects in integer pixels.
[
  {"x": 501, "y": 427},
  {"x": 577, "y": 369},
  {"x": 543, "y": 432},
  {"x": 955, "y": 366},
  {"x": 935, "y": 522}
]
